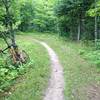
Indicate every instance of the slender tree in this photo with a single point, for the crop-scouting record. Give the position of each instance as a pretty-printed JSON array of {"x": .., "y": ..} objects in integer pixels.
[
  {"x": 9, "y": 18},
  {"x": 96, "y": 25}
]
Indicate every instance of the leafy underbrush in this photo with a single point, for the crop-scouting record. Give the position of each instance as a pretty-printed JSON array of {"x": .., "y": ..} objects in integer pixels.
[
  {"x": 92, "y": 53},
  {"x": 10, "y": 73},
  {"x": 31, "y": 78},
  {"x": 92, "y": 56}
]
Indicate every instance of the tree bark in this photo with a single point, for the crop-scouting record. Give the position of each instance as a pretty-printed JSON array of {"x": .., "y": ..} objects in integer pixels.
[
  {"x": 79, "y": 31},
  {"x": 9, "y": 23},
  {"x": 96, "y": 26},
  {"x": 96, "y": 32}
]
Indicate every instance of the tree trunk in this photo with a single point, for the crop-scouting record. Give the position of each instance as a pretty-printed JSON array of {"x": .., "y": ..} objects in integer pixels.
[
  {"x": 79, "y": 31},
  {"x": 9, "y": 22},
  {"x": 96, "y": 32}
]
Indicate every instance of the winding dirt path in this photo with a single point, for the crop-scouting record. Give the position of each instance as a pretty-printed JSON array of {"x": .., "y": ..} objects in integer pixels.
[{"x": 56, "y": 83}]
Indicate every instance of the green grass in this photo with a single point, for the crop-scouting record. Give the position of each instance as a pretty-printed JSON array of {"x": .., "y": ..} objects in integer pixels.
[
  {"x": 31, "y": 84},
  {"x": 78, "y": 72}
]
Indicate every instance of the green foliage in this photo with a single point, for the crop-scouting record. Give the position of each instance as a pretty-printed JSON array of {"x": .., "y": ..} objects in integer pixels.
[
  {"x": 97, "y": 45},
  {"x": 94, "y": 11},
  {"x": 8, "y": 72},
  {"x": 91, "y": 53},
  {"x": 12, "y": 16},
  {"x": 26, "y": 15},
  {"x": 34, "y": 75},
  {"x": 94, "y": 57},
  {"x": 81, "y": 51},
  {"x": 45, "y": 19},
  {"x": 73, "y": 18}
]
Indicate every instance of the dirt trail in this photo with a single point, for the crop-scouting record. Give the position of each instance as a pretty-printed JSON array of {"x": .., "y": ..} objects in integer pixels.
[{"x": 56, "y": 83}]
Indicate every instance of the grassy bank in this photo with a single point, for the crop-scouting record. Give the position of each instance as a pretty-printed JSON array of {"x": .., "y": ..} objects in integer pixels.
[
  {"x": 80, "y": 74},
  {"x": 31, "y": 79}
]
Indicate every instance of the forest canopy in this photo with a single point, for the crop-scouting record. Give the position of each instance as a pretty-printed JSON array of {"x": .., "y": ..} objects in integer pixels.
[{"x": 75, "y": 19}]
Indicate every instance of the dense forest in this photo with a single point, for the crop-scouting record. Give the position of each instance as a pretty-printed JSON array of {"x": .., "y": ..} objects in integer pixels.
[
  {"x": 72, "y": 30},
  {"x": 78, "y": 20}
]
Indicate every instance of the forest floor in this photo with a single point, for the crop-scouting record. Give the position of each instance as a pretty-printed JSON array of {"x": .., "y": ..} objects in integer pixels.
[
  {"x": 32, "y": 81},
  {"x": 82, "y": 78}
]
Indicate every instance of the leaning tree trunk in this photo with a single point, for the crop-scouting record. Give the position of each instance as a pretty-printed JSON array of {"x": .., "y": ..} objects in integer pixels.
[{"x": 9, "y": 22}]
